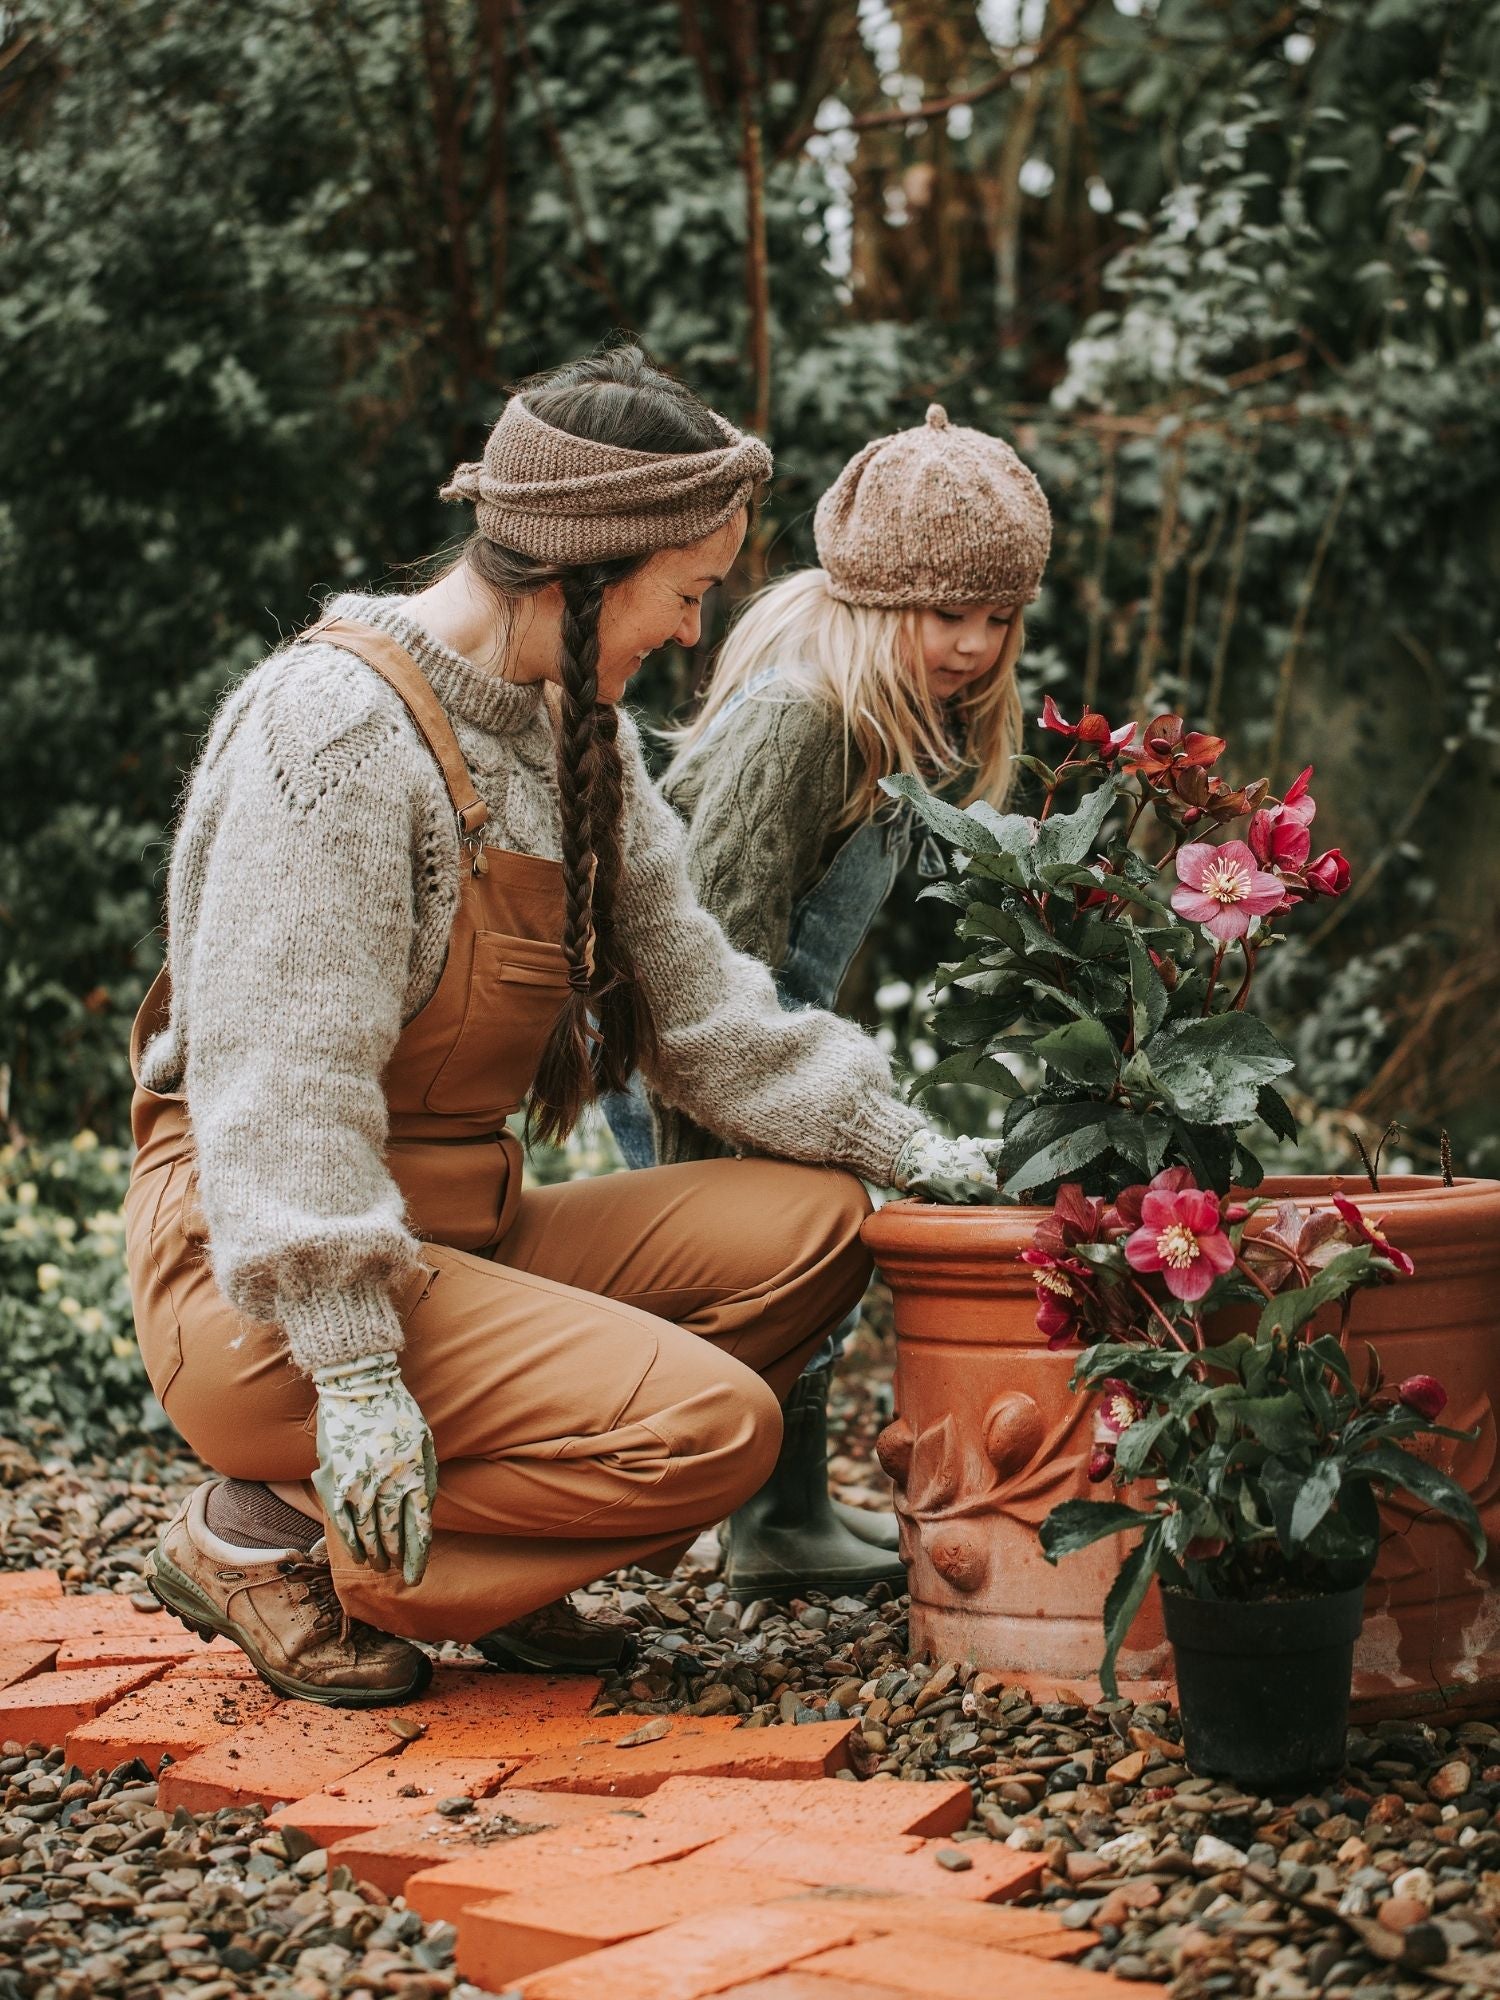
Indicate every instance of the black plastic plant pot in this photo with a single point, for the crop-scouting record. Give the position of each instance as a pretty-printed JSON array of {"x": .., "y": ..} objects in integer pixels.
[{"x": 1263, "y": 1688}]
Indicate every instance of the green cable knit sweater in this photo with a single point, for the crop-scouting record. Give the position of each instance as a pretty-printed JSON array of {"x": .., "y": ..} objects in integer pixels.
[{"x": 762, "y": 799}]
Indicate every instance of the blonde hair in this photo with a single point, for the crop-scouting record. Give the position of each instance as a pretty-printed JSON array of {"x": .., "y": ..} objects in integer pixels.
[{"x": 866, "y": 663}]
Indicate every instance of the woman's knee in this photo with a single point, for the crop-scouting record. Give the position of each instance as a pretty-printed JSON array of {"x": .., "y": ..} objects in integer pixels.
[{"x": 725, "y": 1437}]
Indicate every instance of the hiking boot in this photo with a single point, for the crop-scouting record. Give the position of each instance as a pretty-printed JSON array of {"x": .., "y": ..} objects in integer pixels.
[
  {"x": 281, "y": 1609},
  {"x": 793, "y": 1536},
  {"x": 561, "y": 1639}
]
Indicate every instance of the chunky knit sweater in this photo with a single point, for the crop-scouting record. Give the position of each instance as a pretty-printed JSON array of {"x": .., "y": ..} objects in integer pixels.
[{"x": 313, "y": 885}]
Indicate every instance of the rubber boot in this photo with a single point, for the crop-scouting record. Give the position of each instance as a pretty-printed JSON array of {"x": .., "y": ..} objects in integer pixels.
[{"x": 788, "y": 1538}]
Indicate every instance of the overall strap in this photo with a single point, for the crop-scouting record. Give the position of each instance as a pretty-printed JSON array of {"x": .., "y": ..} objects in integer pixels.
[{"x": 388, "y": 658}]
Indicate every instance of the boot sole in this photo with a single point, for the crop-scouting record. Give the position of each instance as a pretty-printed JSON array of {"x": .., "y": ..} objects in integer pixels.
[
  {"x": 515, "y": 1656},
  {"x": 188, "y": 1605}
]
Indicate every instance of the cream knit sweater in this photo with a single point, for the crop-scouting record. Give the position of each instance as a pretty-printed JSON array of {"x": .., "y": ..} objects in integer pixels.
[{"x": 313, "y": 885}]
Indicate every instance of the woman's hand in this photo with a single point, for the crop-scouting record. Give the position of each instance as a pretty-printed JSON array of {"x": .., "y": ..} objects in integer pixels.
[
  {"x": 951, "y": 1170},
  {"x": 377, "y": 1471}
]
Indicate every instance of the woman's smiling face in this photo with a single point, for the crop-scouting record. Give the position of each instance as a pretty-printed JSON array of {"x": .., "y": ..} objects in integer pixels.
[{"x": 662, "y": 601}]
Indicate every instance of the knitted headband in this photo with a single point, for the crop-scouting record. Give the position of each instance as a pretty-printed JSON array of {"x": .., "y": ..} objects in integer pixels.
[{"x": 565, "y": 500}]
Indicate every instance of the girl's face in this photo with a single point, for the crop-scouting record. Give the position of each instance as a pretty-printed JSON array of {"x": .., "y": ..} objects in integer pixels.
[
  {"x": 960, "y": 647},
  {"x": 662, "y": 601}
]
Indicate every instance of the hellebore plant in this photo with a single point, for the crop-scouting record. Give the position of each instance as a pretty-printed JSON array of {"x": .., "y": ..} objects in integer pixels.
[
  {"x": 1095, "y": 996},
  {"x": 1259, "y": 1455}
]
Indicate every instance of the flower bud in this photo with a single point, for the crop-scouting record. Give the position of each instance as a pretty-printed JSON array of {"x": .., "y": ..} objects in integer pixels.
[
  {"x": 1101, "y": 1463},
  {"x": 1329, "y": 874},
  {"x": 1424, "y": 1394}
]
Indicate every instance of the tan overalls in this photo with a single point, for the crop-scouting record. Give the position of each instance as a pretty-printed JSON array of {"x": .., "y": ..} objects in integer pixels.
[{"x": 599, "y": 1362}]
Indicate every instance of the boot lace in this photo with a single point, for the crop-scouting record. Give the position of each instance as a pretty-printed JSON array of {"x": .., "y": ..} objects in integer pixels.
[{"x": 316, "y": 1580}]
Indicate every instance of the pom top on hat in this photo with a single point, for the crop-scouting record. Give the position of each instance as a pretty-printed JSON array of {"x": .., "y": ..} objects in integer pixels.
[{"x": 940, "y": 516}]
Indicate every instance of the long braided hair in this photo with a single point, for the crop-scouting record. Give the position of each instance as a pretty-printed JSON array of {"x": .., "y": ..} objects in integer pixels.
[{"x": 605, "y": 1031}]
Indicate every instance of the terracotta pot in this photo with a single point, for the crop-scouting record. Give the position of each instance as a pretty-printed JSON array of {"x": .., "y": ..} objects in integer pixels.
[{"x": 988, "y": 1438}]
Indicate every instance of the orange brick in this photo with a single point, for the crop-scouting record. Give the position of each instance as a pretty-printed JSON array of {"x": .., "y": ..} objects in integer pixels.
[
  {"x": 294, "y": 1749},
  {"x": 910, "y": 1867},
  {"x": 63, "y": 1618},
  {"x": 22, "y": 1586},
  {"x": 608, "y": 1843},
  {"x": 18, "y": 1662},
  {"x": 232, "y": 1665},
  {"x": 168, "y": 1718},
  {"x": 480, "y": 1712},
  {"x": 811, "y": 1750},
  {"x": 999, "y": 1926},
  {"x": 48, "y": 1707},
  {"x": 170, "y": 1643},
  {"x": 803, "y": 1986},
  {"x": 934, "y": 1967},
  {"x": 702, "y": 1955},
  {"x": 389, "y": 1855},
  {"x": 839, "y": 1811},
  {"x": 379, "y": 1793},
  {"x": 507, "y": 1940}
]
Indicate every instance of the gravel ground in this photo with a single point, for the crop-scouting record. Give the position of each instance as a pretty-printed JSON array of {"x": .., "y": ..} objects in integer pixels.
[{"x": 1385, "y": 1882}]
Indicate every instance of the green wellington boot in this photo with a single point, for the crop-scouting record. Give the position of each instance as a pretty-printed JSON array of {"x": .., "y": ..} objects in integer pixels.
[{"x": 792, "y": 1536}]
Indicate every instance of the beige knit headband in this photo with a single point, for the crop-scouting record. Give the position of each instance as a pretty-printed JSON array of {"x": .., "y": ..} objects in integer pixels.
[{"x": 564, "y": 499}]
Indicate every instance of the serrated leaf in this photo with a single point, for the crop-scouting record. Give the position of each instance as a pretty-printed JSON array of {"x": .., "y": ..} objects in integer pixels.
[
  {"x": 1426, "y": 1483},
  {"x": 1148, "y": 996},
  {"x": 1070, "y": 836},
  {"x": 959, "y": 828},
  {"x": 1083, "y": 1051},
  {"x": 1078, "y": 1524},
  {"x": 1272, "y": 1108},
  {"x": 1063, "y": 1157},
  {"x": 967, "y": 1066},
  {"x": 1291, "y": 1310}
]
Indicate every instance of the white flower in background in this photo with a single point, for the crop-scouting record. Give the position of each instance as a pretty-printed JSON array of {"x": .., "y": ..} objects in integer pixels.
[
  {"x": 68, "y": 1306},
  {"x": 85, "y": 1141},
  {"x": 91, "y": 1320},
  {"x": 48, "y": 1277}
]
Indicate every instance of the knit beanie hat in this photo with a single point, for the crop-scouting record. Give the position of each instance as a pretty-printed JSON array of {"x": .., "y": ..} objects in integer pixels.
[
  {"x": 564, "y": 499},
  {"x": 936, "y": 516}
]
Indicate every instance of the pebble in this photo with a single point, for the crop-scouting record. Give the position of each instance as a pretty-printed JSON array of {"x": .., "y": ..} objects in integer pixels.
[{"x": 1184, "y": 1880}]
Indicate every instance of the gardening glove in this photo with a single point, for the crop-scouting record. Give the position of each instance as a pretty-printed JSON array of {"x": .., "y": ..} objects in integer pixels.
[
  {"x": 951, "y": 1170},
  {"x": 377, "y": 1470}
]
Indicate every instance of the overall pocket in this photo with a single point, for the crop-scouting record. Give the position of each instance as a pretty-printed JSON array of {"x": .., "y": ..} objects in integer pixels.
[{"x": 516, "y": 990}]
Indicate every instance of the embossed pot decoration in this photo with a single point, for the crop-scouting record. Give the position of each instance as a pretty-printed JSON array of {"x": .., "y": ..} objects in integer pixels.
[{"x": 988, "y": 1438}]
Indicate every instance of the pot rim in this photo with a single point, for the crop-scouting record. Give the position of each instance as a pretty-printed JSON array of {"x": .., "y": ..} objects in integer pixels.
[{"x": 1291, "y": 1187}]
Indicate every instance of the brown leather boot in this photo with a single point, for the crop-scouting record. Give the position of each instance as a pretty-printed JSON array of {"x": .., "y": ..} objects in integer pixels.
[
  {"x": 561, "y": 1639},
  {"x": 282, "y": 1611}
]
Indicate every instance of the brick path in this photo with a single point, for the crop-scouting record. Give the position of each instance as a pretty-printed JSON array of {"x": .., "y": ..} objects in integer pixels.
[{"x": 661, "y": 1858}]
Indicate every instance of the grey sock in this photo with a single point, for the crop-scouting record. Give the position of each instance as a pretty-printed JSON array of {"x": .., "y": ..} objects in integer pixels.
[{"x": 250, "y": 1516}]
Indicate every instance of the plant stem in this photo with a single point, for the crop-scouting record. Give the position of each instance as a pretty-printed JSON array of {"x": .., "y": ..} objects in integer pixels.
[
  {"x": 1264, "y": 1289},
  {"x": 1237, "y": 1004},
  {"x": 1157, "y": 1312},
  {"x": 1213, "y": 977}
]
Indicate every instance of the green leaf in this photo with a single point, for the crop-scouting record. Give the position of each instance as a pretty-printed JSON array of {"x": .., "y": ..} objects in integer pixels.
[
  {"x": 1280, "y": 1422},
  {"x": 960, "y": 829},
  {"x": 1082, "y": 1051},
  {"x": 1274, "y": 1110},
  {"x": 1319, "y": 1491},
  {"x": 1136, "y": 1445},
  {"x": 1425, "y": 1483},
  {"x": 1013, "y": 833},
  {"x": 1064, "y": 1156},
  {"x": 1126, "y": 1595},
  {"x": 967, "y": 1066},
  {"x": 1212, "y": 1068},
  {"x": 974, "y": 1021},
  {"x": 1148, "y": 996},
  {"x": 1291, "y": 1310},
  {"x": 1070, "y": 836},
  {"x": 1078, "y": 1524}
]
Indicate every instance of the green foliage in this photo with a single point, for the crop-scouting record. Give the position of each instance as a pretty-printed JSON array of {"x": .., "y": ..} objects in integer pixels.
[
  {"x": 69, "y": 1365},
  {"x": 1261, "y": 1455},
  {"x": 1086, "y": 1002}
]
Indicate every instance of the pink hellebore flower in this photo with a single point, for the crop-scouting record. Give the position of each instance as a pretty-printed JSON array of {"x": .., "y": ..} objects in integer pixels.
[
  {"x": 1119, "y": 1407},
  {"x": 1425, "y": 1394},
  {"x": 1091, "y": 729},
  {"x": 1182, "y": 1237},
  {"x": 1365, "y": 1231},
  {"x": 1058, "y": 1300},
  {"x": 1277, "y": 841},
  {"x": 1329, "y": 874},
  {"x": 1222, "y": 888},
  {"x": 1298, "y": 805}
]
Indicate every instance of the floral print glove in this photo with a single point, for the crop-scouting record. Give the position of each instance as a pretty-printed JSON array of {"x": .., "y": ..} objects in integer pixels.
[
  {"x": 951, "y": 1170},
  {"x": 377, "y": 1471}
]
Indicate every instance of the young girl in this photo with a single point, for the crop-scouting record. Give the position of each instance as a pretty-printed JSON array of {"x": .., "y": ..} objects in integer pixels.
[
  {"x": 421, "y": 877},
  {"x": 897, "y": 654}
]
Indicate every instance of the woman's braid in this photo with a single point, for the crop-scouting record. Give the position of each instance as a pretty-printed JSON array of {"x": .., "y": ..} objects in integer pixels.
[{"x": 604, "y": 1026}]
